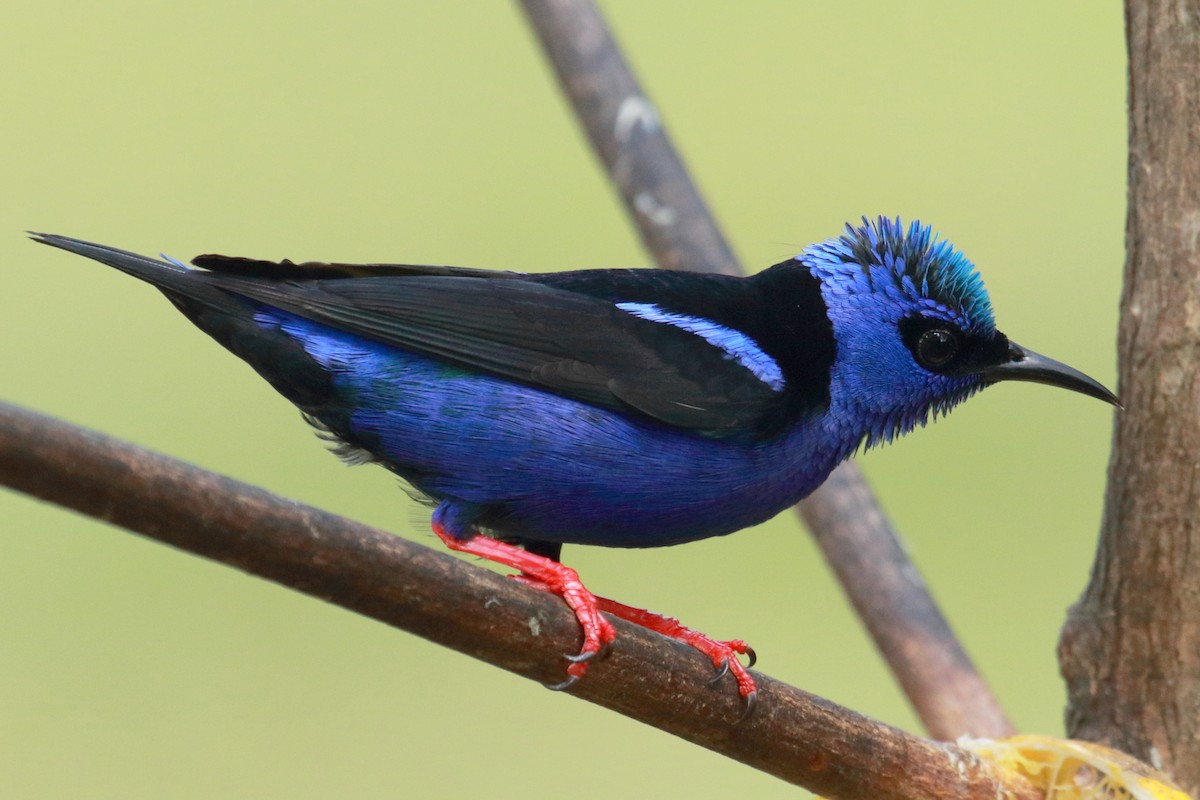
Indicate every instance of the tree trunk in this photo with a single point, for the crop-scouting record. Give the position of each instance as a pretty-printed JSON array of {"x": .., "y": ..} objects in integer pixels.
[{"x": 1130, "y": 651}]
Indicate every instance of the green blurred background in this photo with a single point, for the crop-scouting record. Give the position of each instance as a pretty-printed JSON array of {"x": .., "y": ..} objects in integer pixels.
[{"x": 434, "y": 132}]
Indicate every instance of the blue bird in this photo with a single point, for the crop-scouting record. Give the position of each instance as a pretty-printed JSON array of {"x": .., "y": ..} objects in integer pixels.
[{"x": 624, "y": 408}]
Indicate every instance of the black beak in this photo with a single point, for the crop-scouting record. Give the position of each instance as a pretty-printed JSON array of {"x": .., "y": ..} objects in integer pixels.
[{"x": 1026, "y": 365}]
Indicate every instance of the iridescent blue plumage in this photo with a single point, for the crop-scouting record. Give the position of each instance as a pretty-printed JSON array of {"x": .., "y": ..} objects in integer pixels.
[
  {"x": 626, "y": 408},
  {"x": 875, "y": 276},
  {"x": 923, "y": 266},
  {"x": 532, "y": 465}
]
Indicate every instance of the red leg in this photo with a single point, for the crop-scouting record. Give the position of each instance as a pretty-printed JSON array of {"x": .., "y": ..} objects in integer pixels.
[
  {"x": 724, "y": 655},
  {"x": 598, "y": 633},
  {"x": 553, "y": 577}
]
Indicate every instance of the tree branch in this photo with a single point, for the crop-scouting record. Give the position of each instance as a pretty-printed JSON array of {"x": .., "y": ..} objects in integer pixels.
[
  {"x": 1130, "y": 651},
  {"x": 629, "y": 138},
  {"x": 792, "y": 735},
  {"x": 889, "y": 595},
  {"x": 885, "y": 588}
]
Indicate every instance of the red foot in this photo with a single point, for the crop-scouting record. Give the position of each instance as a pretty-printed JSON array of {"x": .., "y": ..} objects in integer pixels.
[
  {"x": 724, "y": 655},
  {"x": 551, "y": 576},
  {"x": 598, "y": 633}
]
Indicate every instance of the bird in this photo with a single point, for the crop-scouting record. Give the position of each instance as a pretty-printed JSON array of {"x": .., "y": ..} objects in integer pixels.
[{"x": 614, "y": 407}]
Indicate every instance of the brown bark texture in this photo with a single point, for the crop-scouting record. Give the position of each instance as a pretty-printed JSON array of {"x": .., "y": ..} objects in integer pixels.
[{"x": 1130, "y": 651}]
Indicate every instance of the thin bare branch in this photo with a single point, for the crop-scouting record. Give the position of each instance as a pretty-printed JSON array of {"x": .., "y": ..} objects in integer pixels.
[
  {"x": 887, "y": 591},
  {"x": 628, "y": 136},
  {"x": 791, "y": 734}
]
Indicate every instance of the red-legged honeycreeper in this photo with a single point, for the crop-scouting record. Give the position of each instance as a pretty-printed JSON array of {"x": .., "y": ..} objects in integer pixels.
[{"x": 625, "y": 408}]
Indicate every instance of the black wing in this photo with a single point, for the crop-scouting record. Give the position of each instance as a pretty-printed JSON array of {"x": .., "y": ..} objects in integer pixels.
[
  {"x": 710, "y": 353},
  {"x": 522, "y": 328}
]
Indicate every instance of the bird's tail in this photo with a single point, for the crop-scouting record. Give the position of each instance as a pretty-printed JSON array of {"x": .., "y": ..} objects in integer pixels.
[
  {"x": 172, "y": 277},
  {"x": 222, "y": 314}
]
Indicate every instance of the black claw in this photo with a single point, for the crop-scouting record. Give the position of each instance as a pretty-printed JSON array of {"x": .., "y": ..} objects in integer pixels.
[
  {"x": 599, "y": 655},
  {"x": 562, "y": 687},
  {"x": 720, "y": 673},
  {"x": 751, "y": 701},
  {"x": 753, "y": 656}
]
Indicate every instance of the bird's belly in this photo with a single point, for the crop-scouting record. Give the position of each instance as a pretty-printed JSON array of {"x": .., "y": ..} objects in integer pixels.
[{"x": 535, "y": 465}]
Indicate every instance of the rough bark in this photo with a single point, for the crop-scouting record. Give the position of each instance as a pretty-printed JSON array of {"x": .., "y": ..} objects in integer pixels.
[{"x": 1130, "y": 651}]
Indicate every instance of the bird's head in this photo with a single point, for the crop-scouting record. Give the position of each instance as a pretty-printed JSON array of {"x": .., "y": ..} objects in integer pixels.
[{"x": 914, "y": 329}]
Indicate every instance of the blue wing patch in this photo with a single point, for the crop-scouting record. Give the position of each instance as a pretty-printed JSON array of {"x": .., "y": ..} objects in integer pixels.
[{"x": 737, "y": 346}]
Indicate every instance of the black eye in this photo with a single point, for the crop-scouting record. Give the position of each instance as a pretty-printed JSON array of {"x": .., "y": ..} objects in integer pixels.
[
  {"x": 936, "y": 347},
  {"x": 939, "y": 345}
]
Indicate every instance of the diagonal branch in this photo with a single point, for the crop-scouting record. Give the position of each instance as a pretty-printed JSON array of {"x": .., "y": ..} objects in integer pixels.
[
  {"x": 885, "y": 588},
  {"x": 792, "y": 735},
  {"x": 934, "y": 671}
]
